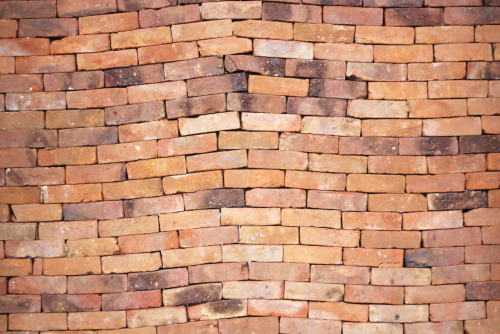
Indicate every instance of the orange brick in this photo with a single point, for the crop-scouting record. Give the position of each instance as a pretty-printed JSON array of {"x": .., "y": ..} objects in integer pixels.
[
  {"x": 34, "y": 176},
  {"x": 218, "y": 272},
  {"x": 167, "y": 53},
  {"x": 358, "y": 328},
  {"x": 250, "y": 216},
  {"x": 20, "y": 83},
  {"x": 337, "y": 164},
  {"x": 189, "y": 220},
  {"x": 376, "y": 183},
  {"x": 201, "y": 30},
  {"x": 38, "y": 321},
  {"x": 353, "y": 15},
  {"x": 26, "y": 47},
  {"x": 72, "y": 266},
  {"x": 167, "y": 16},
  {"x": 311, "y": 180},
  {"x": 377, "y": 109},
  {"x": 156, "y": 316},
  {"x": 384, "y": 35},
  {"x": 22, "y": 195},
  {"x": 35, "y": 248},
  {"x": 252, "y": 253},
  {"x": 482, "y": 106},
  {"x": 131, "y": 263},
  {"x": 444, "y": 34},
  {"x": 278, "y": 86},
  {"x": 256, "y": 102},
  {"x": 253, "y": 290},
  {"x": 327, "y": 33},
  {"x": 108, "y": 23},
  {"x": 269, "y": 235},
  {"x": 209, "y": 123},
  {"x": 224, "y": 46},
  {"x": 313, "y": 291},
  {"x": 188, "y": 145},
  {"x": 373, "y": 257},
  {"x": 457, "y": 311},
  {"x": 9, "y": 28},
  {"x": 72, "y": 193},
  {"x": 35, "y": 101},
  {"x": 263, "y": 29},
  {"x": 337, "y": 126},
  {"x": 457, "y": 89},
  {"x": 312, "y": 254},
  {"x": 308, "y": 143},
  {"x": 437, "y": 108},
  {"x": 104, "y": 60},
  {"x": 489, "y": 234},
  {"x": 132, "y": 189},
  {"x": 218, "y": 160},
  {"x": 148, "y": 242},
  {"x": 191, "y": 256},
  {"x": 127, "y": 226},
  {"x": 92, "y": 247},
  {"x": 96, "y": 320},
  {"x": 80, "y": 44},
  {"x": 156, "y": 92},
  {"x": 397, "y": 165},
  {"x": 17, "y": 157},
  {"x": 397, "y": 202},
  {"x": 141, "y": 37},
  {"x": 96, "y": 210},
  {"x": 7, "y": 66},
  {"x": 397, "y": 90},
  {"x": 277, "y": 159},
  {"x": 68, "y": 230},
  {"x": 16, "y": 267},
  {"x": 45, "y": 64},
  {"x": 373, "y": 294},
  {"x": 493, "y": 161},
  {"x": 463, "y": 52},
  {"x": 390, "y": 239},
  {"x": 126, "y": 151},
  {"x": 435, "y": 183},
  {"x": 399, "y": 313},
  {"x": 371, "y": 220},
  {"x": 432, "y": 220},
  {"x": 97, "y": 98},
  {"x": 401, "y": 276},
  {"x": 214, "y": 199},
  {"x": 338, "y": 311},
  {"x": 485, "y": 180},
  {"x": 283, "y": 49},
  {"x": 192, "y": 182},
  {"x": 254, "y": 178},
  {"x": 318, "y": 218},
  {"x": 456, "y": 237},
  {"x": 435, "y": 294},
  {"x": 345, "y": 52},
  {"x": 276, "y": 198},
  {"x": 436, "y": 71},
  {"x": 340, "y": 274},
  {"x": 209, "y": 326},
  {"x": 325, "y": 237},
  {"x": 262, "y": 307},
  {"x": 457, "y": 164},
  {"x": 403, "y": 53},
  {"x": 208, "y": 236},
  {"x": 460, "y": 274}
]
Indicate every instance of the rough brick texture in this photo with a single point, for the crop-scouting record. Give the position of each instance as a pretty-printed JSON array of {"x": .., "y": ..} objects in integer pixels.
[{"x": 276, "y": 166}]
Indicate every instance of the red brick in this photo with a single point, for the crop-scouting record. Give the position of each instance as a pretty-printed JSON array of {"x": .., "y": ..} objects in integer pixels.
[
  {"x": 96, "y": 173},
  {"x": 459, "y": 126},
  {"x": 16, "y": 267},
  {"x": 487, "y": 33},
  {"x": 436, "y": 71},
  {"x": 340, "y": 274},
  {"x": 463, "y": 52},
  {"x": 192, "y": 182},
  {"x": 34, "y": 176},
  {"x": 218, "y": 272},
  {"x": 45, "y": 64},
  {"x": 373, "y": 294},
  {"x": 127, "y": 151},
  {"x": 38, "y": 285},
  {"x": 20, "y": 304},
  {"x": 228, "y": 10},
  {"x": 208, "y": 236},
  {"x": 17, "y": 10},
  {"x": 217, "y": 160},
  {"x": 151, "y": 111},
  {"x": 371, "y": 220},
  {"x": 224, "y": 46},
  {"x": 71, "y": 303},
  {"x": 310, "y": 180},
  {"x": 324, "y": 237},
  {"x": 276, "y": 198},
  {"x": 12, "y": 83},
  {"x": 151, "y": 206},
  {"x": 97, "y": 98},
  {"x": 37, "y": 321},
  {"x": 337, "y": 164},
  {"x": 167, "y": 53},
  {"x": 156, "y": 316},
  {"x": 278, "y": 86},
  {"x": 482, "y": 254},
  {"x": 399, "y": 313},
  {"x": 148, "y": 242},
  {"x": 131, "y": 300},
  {"x": 25, "y": 47},
  {"x": 434, "y": 257},
  {"x": 397, "y": 90},
  {"x": 291, "y": 13},
  {"x": 97, "y": 284},
  {"x": 444, "y": 34},
  {"x": 7, "y": 66},
  {"x": 201, "y": 30},
  {"x": 68, "y": 230},
  {"x": 35, "y": 101},
  {"x": 490, "y": 234},
  {"x": 72, "y": 266},
  {"x": 196, "y": 106},
  {"x": 141, "y": 37},
  {"x": 80, "y": 44},
  {"x": 20, "y": 195},
  {"x": 434, "y": 294},
  {"x": 16, "y": 231},
  {"x": 108, "y": 23},
  {"x": 253, "y": 178},
  {"x": 87, "y": 7},
  {"x": 312, "y": 254},
  {"x": 263, "y": 29},
  {"x": 187, "y": 145},
  {"x": 104, "y": 60},
  {"x": 96, "y": 320},
  {"x": 460, "y": 274},
  {"x": 368, "y": 145},
  {"x": 457, "y": 89},
  {"x": 18, "y": 157},
  {"x": 401, "y": 276},
  {"x": 132, "y": 189},
  {"x": 490, "y": 124},
  {"x": 384, "y": 35},
  {"x": 67, "y": 156},
  {"x": 457, "y": 164},
  {"x": 485, "y": 180},
  {"x": 205, "y": 326},
  {"x": 437, "y": 108},
  {"x": 277, "y": 159},
  {"x": 169, "y": 15},
  {"x": 192, "y": 256},
  {"x": 353, "y": 16},
  {"x": 397, "y": 202},
  {"x": 435, "y": 327},
  {"x": 403, "y": 53},
  {"x": 493, "y": 161},
  {"x": 28, "y": 137},
  {"x": 131, "y": 263},
  {"x": 435, "y": 183},
  {"x": 338, "y": 311},
  {"x": 72, "y": 193},
  {"x": 373, "y": 257},
  {"x": 457, "y": 311},
  {"x": 376, "y": 183},
  {"x": 337, "y": 89},
  {"x": 261, "y": 307},
  {"x": 315, "y": 69},
  {"x": 97, "y": 210},
  {"x": 323, "y": 33},
  {"x": 336, "y": 126},
  {"x": 346, "y": 52},
  {"x": 8, "y": 28},
  {"x": 390, "y": 239},
  {"x": 91, "y": 247}
]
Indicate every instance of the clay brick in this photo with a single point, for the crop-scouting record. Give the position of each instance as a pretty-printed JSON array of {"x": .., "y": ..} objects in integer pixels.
[
  {"x": 201, "y": 30},
  {"x": 29, "y": 137},
  {"x": 327, "y": 33},
  {"x": 218, "y": 272},
  {"x": 14, "y": 83},
  {"x": 397, "y": 90},
  {"x": 485, "y": 180},
  {"x": 20, "y": 10},
  {"x": 368, "y": 145},
  {"x": 68, "y": 230},
  {"x": 67, "y": 8},
  {"x": 444, "y": 34},
  {"x": 20, "y": 195},
  {"x": 152, "y": 206},
  {"x": 337, "y": 164},
  {"x": 460, "y": 200},
  {"x": 72, "y": 193},
  {"x": 384, "y": 35},
  {"x": 390, "y": 239},
  {"x": 217, "y": 160},
  {"x": 73, "y": 81},
  {"x": 168, "y": 16},
  {"x": 310, "y": 180},
  {"x": 216, "y": 84},
  {"x": 336, "y": 126},
  {"x": 401, "y": 276},
  {"x": 285, "y": 308},
  {"x": 337, "y": 89},
  {"x": 253, "y": 290},
  {"x": 471, "y": 15},
  {"x": 208, "y": 236},
  {"x": 127, "y": 226},
  {"x": 353, "y": 15},
  {"x": 434, "y": 257},
  {"x": 192, "y": 182},
  {"x": 264, "y": 324},
  {"x": 169, "y": 53},
  {"x": 376, "y": 183},
  {"x": 338, "y": 311},
  {"x": 191, "y": 256},
  {"x": 325, "y": 237},
  {"x": 25, "y": 47},
  {"x": 141, "y": 37},
  {"x": 490, "y": 234},
  {"x": 345, "y": 52},
  {"x": 399, "y": 313},
  {"x": 71, "y": 303},
  {"x": 278, "y": 86},
  {"x": 135, "y": 75},
  {"x": 277, "y": 159},
  {"x": 457, "y": 89},
  {"x": 442, "y": 3},
  {"x": 156, "y": 92},
  {"x": 196, "y": 294},
  {"x": 376, "y": 72},
  {"x": 315, "y": 69},
  {"x": 80, "y": 44},
  {"x": 283, "y": 49},
  {"x": 276, "y": 198},
  {"x": 403, "y": 53},
  {"x": 187, "y": 145},
  {"x": 143, "y": 112},
  {"x": 436, "y": 71},
  {"x": 435, "y": 327},
  {"x": 72, "y": 266},
  {"x": 96, "y": 173},
  {"x": 206, "y": 326},
  {"x": 373, "y": 257},
  {"x": 88, "y": 136},
  {"x": 22, "y": 120},
  {"x": 479, "y": 325},
  {"x": 373, "y": 294},
  {"x": 196, "y": 106},
  {"x": 8, "y": 28},
  {"x": 271, "y": 235},
  {"x": 482, "y": 291},
  {"x": 7, "y": 66},
  {"x": 126, "y": 151},
  {"x": 37, "y": 322},
  {"x": 490, "y": 124},
  {"x": 35, "y": 248},
  {"x": 160, "y": 279},
  {"x": 56, "y": 119},
  {"x": 250, "y": 216},
  {"x": 89, "y": 211},
  {"x": 437, "y": 108},
  {"x": 312, "y": 254},
  {"x": 371, "y": 220},
  {"x": 97, "y": 320},
  {"x": 17, "y": 157},
  {"x": 432, "y": 220},
  {"x": 428, "y": 145},
  {"x": 212, "y": 199},
  {"x": 263, "y": 29},
  {"x": 397, "y": 164},
  {"x": 100, "y": 24},
  {"x": 492, "y": 309},
  {"x": 308, "y": 143},
  {"x": 224, "y": 46},
  {"x": 97, "y": 284},
  {"x": 253, "y": 178},
  {"x": 48, "y": 27},
  {"x": 20, "y": 304},
  {"x": 460, "y": 126},
  {"x": 35, "y": 101},
  {"x": 279, "y": 271},
  {"x": 487, "y": 33},
  {"x": 318, "y": 218},
  {"x": 16, "y": 267},
  {"x": 97, "y": 98},
  {"x": 414, "y": 17},
  {"x": 131, "y": 300},
  {"x": 457, "y": 311},
  {"x": 248, "y": 140},
  {"x": 493, "y": 161},
  {"x": 218, "y": 309},
  {"x": 131, "y": 263},
  {"x": 231, "y": 10},
  {"x": 291, "y": 13},
  {"x": 457, "y": 164},
  {"x": 360, "y": 328},
  {"x": 479, "y": 144},
  {"x": 252, "y": 253},
  {"x": 261, "y": 65},
  {"x": 148, "y": 242},
  {"x": 463, "y": 51},
  {"x": 92, "y": 247},
  {"x": 156, "y": 316},
  {"x": 313, "y": 291},
  {"x": 482, "y": 254},
  {"x": 147, "y": 131},
  {"x": 270, "y": 122},
  {"x": 34, "y": 176},
  {"x": 340, "y": 274},
  {"x": 16, "y": 231}
]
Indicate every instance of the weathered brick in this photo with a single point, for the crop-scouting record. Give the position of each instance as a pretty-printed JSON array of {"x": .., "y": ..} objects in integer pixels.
[
  {"x": 207, "y": 326},
  {"x": 151, "y": 111},
  {"x": 196, "y": 106},
  {"x": 403, "y": 53},
  {"x": 97, "y": 284},
  {"x": 261, "y": 65},
  {"x": 414, "y": 17},
  {"x": 336, "y": 126},
  {"x": 399, "y": 313},
  {"x": 170, "y": 53},
  {"x": 248, "y": 140},
  {"x": 8, "y": 28},
  {"x": 148, "y": 242},
  {"x": 397, "y": 90},
  {"x": 353, "y": 15},
  {"x": 191, "y": 256},
  {"x": 218, "y": 272},
  {"x": 373, "y": 294},
  {"x": 315, "y": 69},
  {"x": 131, "y": 300},
  {"x": 291, "y": 13},
  {"x": 66, "y": 8},
  {"x": 269, "y": 122},
  {"x": 160, "y": 279},
  {"x": 376, "y": 183},
  {"x": 35, "y": 101},
  {"x": 435, "y": 327},
  {"x": 135, "y": 75},
  {"x": 325, "y": 237},
  {"x": 100, "y": 24},
  {"x": 35, "y": 248},
  {"x": 269, "y": 235},
  {"x": 196, "y": 294},
  {"x": 376, "y": 72},
  {"x": 432, "y": 220},
  {"x": 170, "y": 15},
  {"x": 21, "y": 120},
  {"x": 156, "y": 316},
  {"x": 80, "y": 44},
  {"x": 28, "y": 138},
  {"x": 20, "y": 304},
  {"x": 95, "y": 173},
  {"x": 231, "y": 10},
  {"x": 278, "y": 86},
  {"x": 17, "y": 231},
  {"x": 311, "y": 180},
  {"x": 72, "y": 266},
  {"x": 253, "y": 290},
  {"x": 131, "y": 263},
  {"x": 34, "y": 176},
  {"x": 141, "y": 37},
  {"x": 457, "y": 311},
  {"x": 68, "y": 230},
  {"x": 418, "y": 258},
  {"x": 313, "y": 291},
  {"x": 390, "y": 239},
  {"x": 20, "y": 195},
  {"x": 480, "y": 144},
  {"x": 187, "y": 145},
  {"x": 263, "y": 29},
  {"x": 97, "y": 210},
  {"x": 218, "y": 309},
  {"x": 345, "y": 52},
  {"x": 217, "y": 160},
  {"x": 340, "y": 274},
  {"x": 471, "y": 15},
  {"x": 18, "y": 157},
  {"x": 338, "y": 311},
  {"x": 482, "y": 254},
  {"x": 37, "y": 322},
  {"x": 373, "y": 257},
  {"x": 156, "y": 92},
  {"x": 48, "y": 27},
  {"x": 368, "y": 145},
  {"x": 285, "y": 308},
  {"x": 16, "y": 267},
  {"x": 127, "y": 151},
  {"x": 128, "y": 226},
  {"x": 97, "y": 320},
  {"x": 457, "y": 89},
  {"x": 192, "y": 182},
  {"x": 14, "y": 83},
  {"x": 371, "y": 220},
  {"x": 252, "y": 253},
  {"x": 397, "y": 164},
  {"x": 482, "y": 291},
  {"x": 253, "y": 178},
  {"x": 384, "y": 35},
  {"x": 459, "y": 200},
  {"x": 224, "y": 46},
  {"x": 208, "y": 236},
  {"x": 276, "y": 198},
  {"x": 92, "y": 247},
  {"x": 401, "y": 276},
  {"x": 327, "y": 33},
  {"x": 7, "y": 66},
  {"x": 428, "y": 146},
  {"x": 337, "y": 89},
  {"x": 211, "y": 199},
  {"x": 155, "y": 205},
  {"x": 71, "y": 303},
  {"x": 436, "y": 71},
  {"x": 437, "y": 108},
  {"x": 25, "y": 47},
  {"x": 457, "y": 164},
  {"x": 337, "y": 164},
  {"x": 216, "y": 84},
  {"x": 201, "y": 30},
  {"x": 359, "y": 328},
  {"x": 72, "y": 193},
  {"x": 264, "y": 324}
]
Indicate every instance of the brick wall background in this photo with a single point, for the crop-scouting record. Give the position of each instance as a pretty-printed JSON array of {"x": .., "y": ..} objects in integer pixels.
[{"x": 314, "y": 166}]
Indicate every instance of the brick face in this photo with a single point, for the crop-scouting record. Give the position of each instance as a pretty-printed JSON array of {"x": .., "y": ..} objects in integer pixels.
[{"x": 316, "y": 166}]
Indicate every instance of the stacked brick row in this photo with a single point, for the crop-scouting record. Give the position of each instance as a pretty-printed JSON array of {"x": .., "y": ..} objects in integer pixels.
[{"x": 315, "y": 166}]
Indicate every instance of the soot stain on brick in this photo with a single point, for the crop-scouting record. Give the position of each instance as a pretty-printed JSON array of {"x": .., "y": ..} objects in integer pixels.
[
  {"x": 480, "y": 144},
  {"x": 459, "y": 200},
  {"x": 223, "y": 198},
  {"x": 123, "y": 77},
  {"x": 225, "y": 307},
  {"x": 239, "y": 81},
  {"x": 436, "y": 146},
  {"x": 315, "y": 87},
  {"x": 274, "y": 67},
  {"x": 196, "y": 295},
  {"x": 311, "y": 69}
]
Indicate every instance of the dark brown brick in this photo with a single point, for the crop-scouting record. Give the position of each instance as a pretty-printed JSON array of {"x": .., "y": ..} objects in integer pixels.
[
  {"x": 135, "y": 75},
  {"x": 480, "y": 144},
  {"x": 137, "y": 5},
  {"x": 256, "y": 102},
  {"x": 196, "y": 294},
  {"x": 328, "y": 69},
  {"x": 27, "y": 9},
  {"x": 134, "y": 113},
  {"x": 48, "y": 27},
  {"x": 483, "y": 70},
  {"x": 428, "y": 146},
  {"x": 414, "y": 17},
  {"x": 316, "y": 106},
  {"x": 214, "y": 199},
  {"x": 28, "y": 138},
  {"x": 458, "y": 201},
  {"x": 85, "y": 7},
  {"x": 471, "y": 15},
  {"x": 393, "y": 3},
  {"x": 152, "y": 206},
  {"x": 71, "y": 303},
  {"x": 483, "y": 291},
  {"x": 337, "y": 89},
  {"x": 263, "y": 65},
  {"x": 73, "y": 81},
  {"x": 217, "y": 84},
  {"x": 162, "y": 279},
  {"x": 20, "y": 304},
  {"x": 202, "y": 105},
  {"x": 435, "y": 257},
  {"x": 291, "y": 12},
  {"x": 194, "y": 68},
  {"x": 96, "y": 210},
  {"x": 88, "y": 136},
  {"x": 368, "y": 146}
]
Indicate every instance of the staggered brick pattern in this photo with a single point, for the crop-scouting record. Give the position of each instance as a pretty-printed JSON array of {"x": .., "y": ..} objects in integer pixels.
[{"x": 314, "y": 166}]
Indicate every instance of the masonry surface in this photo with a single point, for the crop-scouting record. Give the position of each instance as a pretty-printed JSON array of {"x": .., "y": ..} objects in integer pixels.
[{"x": 314, "y": 166}]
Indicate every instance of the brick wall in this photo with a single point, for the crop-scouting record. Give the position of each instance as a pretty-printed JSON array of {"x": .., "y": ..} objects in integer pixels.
[{"x": 314, "y": 166}]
